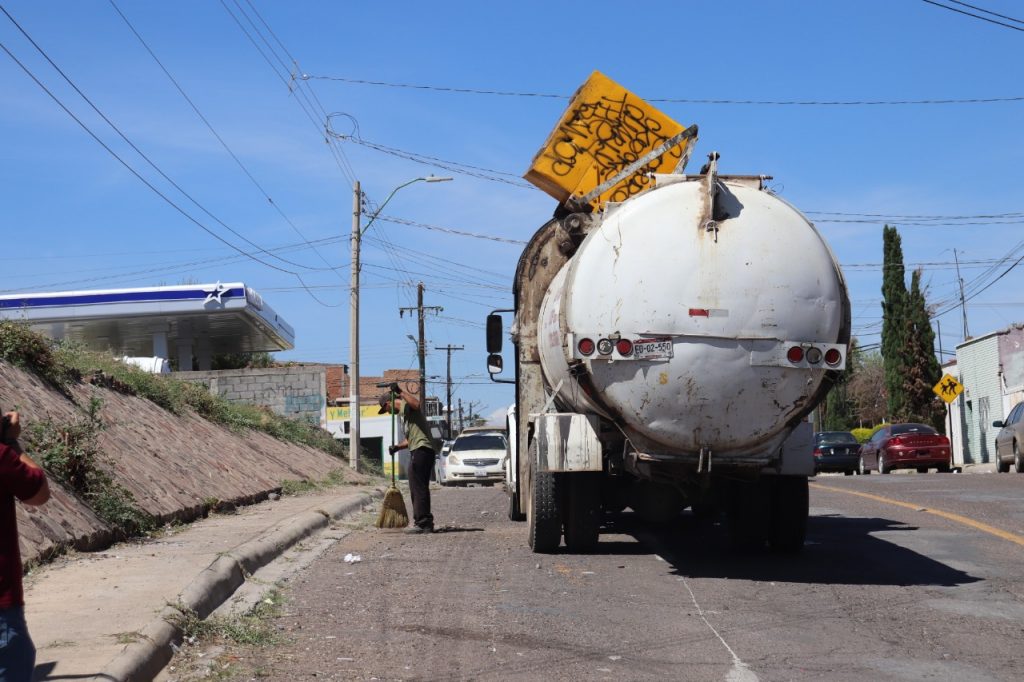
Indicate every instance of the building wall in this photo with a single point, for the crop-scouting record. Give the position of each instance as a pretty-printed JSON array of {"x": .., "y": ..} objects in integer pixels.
[
  {"x": 982, "y": 398},
  {"x": 369, "y": 392},
  {"x": 298, "y": 391}
]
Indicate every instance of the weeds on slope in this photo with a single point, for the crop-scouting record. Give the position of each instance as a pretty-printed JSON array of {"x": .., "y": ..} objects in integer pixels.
[
  {"x": 70, "y": 453},
  {"x": 66, "y": 362}
]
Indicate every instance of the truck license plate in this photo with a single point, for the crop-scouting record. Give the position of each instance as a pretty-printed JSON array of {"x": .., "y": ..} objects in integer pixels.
[{"x": 652, "y": 349}]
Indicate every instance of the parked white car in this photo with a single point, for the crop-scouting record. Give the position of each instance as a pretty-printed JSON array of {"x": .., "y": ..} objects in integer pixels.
[{"x": 476, "y": 456}]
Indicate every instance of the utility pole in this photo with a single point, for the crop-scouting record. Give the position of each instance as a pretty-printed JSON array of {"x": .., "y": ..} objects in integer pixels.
[
  {"x": 460, "y": 415},
  {"x": 421, "y": 346},
  {"x": 357, "y": 233},
  {"x": 353, "y": 369},
  {"x": 448, "y": 400},
  {"x": 963, "y": 303}
]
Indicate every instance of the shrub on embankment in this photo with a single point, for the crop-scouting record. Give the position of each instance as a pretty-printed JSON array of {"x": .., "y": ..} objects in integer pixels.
[
  {"x": 127, "y": 451},
  {"x": 62, "y": 363}
]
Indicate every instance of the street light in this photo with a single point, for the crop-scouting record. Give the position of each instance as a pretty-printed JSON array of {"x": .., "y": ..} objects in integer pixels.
[{"x": 357, "y": 233}]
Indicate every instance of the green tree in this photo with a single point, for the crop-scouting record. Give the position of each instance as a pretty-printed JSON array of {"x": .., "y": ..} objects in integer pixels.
[
  {"x": 923, "y": 370},
  {"x": 258, "y": 359},
  {"x": 894, "y": 321}
]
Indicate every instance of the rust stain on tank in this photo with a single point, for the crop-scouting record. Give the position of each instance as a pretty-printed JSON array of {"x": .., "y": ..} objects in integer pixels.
[{"x": 663, "y": 378}]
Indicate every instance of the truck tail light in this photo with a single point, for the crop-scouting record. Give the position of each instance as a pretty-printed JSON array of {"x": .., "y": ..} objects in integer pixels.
[
  {"x": 833, "y": 357},
  {"x": 624, "y": 346},
  {"x": 795, "y": 354},
  {"x": 813, "y": 355},
  {"x": 585, "y": 346}
]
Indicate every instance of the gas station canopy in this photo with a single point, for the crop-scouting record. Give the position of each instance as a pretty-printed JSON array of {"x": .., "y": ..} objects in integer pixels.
[{"x": 197, "y": 319}]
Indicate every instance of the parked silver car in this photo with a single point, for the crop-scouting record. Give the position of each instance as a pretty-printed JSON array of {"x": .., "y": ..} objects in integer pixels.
[{"x": 1010, "y": 441}]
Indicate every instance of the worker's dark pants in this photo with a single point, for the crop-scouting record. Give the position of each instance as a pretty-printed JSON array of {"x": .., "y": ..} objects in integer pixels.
[{"x": 420, "y": 465}]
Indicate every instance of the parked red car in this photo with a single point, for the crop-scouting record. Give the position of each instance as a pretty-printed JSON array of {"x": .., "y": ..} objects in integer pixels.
[{"x": 906, "y": 446}]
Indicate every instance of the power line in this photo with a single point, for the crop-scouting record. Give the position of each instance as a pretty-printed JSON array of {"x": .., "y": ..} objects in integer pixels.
[
  {"x": 224, "y": 144},
  {"x": 338, "y": 154},
  {"x": 893, "y": 216},
  {"x": 506, "y": 93},
  {"x": 976, "y": 16},
  {"x": 448, "y": 230},
  {"x": 982, "y": 9},
  {"x": 128, "y": 166},
  {"x": 129, "y": 142},
  {"x": 432, "y": 161}
]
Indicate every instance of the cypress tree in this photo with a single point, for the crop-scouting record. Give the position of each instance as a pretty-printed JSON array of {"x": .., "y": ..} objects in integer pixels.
[
  {"x": 894, "y": 321},
  {"x": 923, "y": 370}
]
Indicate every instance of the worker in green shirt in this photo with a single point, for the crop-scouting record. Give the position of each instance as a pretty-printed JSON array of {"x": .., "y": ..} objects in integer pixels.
[{"x": 422, "y": 449}]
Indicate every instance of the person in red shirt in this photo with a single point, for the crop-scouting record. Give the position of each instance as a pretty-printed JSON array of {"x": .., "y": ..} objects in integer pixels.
[{"x": 20, "y": 478}]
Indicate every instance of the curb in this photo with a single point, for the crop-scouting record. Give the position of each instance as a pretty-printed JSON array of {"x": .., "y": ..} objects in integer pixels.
[{"x": 215, "y": 584}]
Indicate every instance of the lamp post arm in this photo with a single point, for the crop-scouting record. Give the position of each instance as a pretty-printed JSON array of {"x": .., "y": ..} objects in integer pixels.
[{"x": 381, "y": 208}]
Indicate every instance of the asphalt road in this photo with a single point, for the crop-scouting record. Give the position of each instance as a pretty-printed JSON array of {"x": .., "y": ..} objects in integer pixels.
[{"x": 887, "y": 588}]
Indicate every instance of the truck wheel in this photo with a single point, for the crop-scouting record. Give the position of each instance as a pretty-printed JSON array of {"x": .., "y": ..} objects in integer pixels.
[
  {"x": 582, "y": 510},
  {"x": 514, "y": 511},
  {"x": 543, "y": 516},
  {"x": 747, "y": 509},
  {"x": 789, "y": 514},
  {"x": 704, "y": 511}
]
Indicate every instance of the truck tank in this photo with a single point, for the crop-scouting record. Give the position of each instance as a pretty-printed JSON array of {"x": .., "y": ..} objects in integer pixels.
[
  {"x": 691, "y": 331},
  {"x": 669, "y": 348}
]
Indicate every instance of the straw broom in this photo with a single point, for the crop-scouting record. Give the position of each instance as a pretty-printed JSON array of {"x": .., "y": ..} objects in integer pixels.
[{"x": 392, "y": 512}]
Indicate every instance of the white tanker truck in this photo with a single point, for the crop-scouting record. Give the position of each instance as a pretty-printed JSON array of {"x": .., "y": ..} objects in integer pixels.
[{"x": 668, "y": 350}]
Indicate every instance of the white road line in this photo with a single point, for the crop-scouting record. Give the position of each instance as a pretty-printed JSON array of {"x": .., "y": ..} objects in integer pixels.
[{"x": 739, "y": 672}]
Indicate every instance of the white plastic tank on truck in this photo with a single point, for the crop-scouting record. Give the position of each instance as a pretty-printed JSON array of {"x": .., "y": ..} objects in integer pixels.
[{"x": 672, "y": 332}]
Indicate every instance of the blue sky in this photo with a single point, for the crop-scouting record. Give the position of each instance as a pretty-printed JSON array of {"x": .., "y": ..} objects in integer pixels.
[{"x": 73, "y": 217}]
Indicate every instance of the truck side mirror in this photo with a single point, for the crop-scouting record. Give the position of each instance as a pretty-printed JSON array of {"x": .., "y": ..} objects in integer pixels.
[
  {"x": 493, "y": 335},
  {"x": 494, "y": 363}
]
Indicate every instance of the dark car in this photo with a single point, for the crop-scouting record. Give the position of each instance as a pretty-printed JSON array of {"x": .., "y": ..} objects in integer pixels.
[
  {"x": 1010, "y": 441},
  {"x": 906, "y": 446},
  {"x": 836, "y": 451}
]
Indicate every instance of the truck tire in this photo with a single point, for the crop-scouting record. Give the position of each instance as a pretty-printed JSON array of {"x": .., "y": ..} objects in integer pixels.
[
  {"x": 582, "y": 510},
  {"x": 788, "y": 525},
  {"x": 515, "y": 513},
  {"x": 543, "y": 517},
  {"x": 747, "y": 508}
]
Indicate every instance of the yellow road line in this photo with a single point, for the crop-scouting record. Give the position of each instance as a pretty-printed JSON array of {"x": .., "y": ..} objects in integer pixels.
[{"x": 978, "y": 525}]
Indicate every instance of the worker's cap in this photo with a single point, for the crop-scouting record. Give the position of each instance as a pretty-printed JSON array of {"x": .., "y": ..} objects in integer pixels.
[{"x": 384, "y": 402}]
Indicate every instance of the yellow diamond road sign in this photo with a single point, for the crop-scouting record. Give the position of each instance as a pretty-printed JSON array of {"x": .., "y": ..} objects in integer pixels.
[{"x": 948, "y": 388}]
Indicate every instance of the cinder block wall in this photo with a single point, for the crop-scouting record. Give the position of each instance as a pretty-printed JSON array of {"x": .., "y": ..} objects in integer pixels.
[{"x": 299, "y": 392}]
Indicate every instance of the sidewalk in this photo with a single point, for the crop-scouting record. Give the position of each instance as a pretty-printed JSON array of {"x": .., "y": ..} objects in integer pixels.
[{"x": 101, "y": 615}]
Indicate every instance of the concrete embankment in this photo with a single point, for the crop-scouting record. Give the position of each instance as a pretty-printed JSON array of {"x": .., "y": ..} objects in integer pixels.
[{"x": 173, "y": 464}]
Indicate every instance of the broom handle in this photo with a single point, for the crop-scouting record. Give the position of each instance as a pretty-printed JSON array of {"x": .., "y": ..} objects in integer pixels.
[{"x": 392, "y": 438}]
